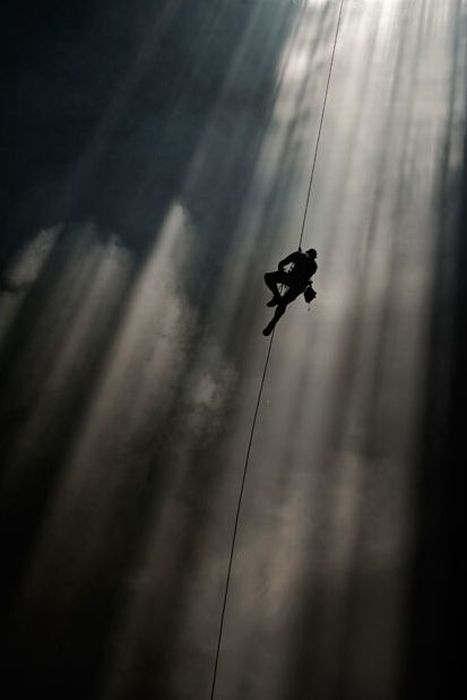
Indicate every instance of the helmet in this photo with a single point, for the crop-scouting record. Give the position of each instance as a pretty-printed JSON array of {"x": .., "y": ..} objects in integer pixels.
[{"x": 312, "y": 252}]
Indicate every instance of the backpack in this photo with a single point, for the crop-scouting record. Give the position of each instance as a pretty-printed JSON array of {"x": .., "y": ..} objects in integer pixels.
[{"x": 309, "y": 293}]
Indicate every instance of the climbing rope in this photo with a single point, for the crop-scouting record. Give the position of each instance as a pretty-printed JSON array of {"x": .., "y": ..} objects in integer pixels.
[
  {"x": 265, "y": 370},
  {"x": 321, "y": 121},
  {"x": 237, "y": 515}
]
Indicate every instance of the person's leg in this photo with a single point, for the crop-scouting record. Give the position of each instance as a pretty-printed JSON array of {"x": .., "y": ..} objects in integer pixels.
[
  {"x": 272, "y": 280},
  {"x": 290, "y": 295},
  {"x": 280, "y": 311}
]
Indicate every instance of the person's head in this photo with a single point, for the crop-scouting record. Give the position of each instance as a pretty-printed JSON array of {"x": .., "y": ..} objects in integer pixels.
[{"x": 312, "y": 252}]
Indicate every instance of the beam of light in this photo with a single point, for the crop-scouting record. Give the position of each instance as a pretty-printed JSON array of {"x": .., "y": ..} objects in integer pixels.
[
  {"x": 21, "y": 275},
  {"x": 138, "y": 371},
  {"x": 79, "y": 307}
]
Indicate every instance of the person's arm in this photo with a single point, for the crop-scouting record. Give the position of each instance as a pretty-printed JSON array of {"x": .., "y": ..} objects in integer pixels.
[{"x": 288, "y": 260}]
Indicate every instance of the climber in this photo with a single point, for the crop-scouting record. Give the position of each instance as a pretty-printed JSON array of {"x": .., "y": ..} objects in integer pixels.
[{"x": 294, "y": 272}]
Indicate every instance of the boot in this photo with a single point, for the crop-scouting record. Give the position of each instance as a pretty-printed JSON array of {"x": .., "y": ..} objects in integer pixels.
[{"x": 269, "y": 328}]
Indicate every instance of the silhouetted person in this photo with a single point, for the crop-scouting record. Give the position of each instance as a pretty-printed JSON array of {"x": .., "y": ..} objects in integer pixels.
[{"x": 294, "y": 272}]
